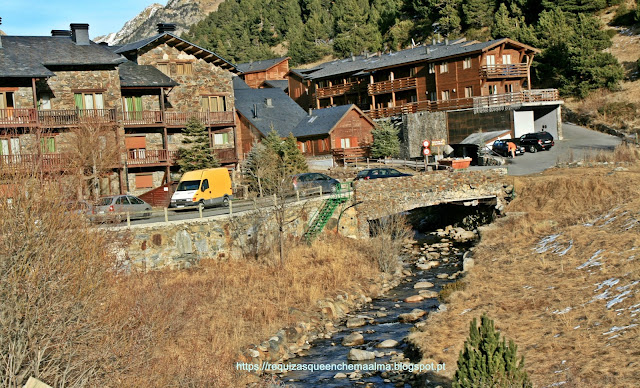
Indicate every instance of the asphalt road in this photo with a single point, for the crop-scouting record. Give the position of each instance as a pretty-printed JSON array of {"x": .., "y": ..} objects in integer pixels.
[{"x": 578, "y": 142}]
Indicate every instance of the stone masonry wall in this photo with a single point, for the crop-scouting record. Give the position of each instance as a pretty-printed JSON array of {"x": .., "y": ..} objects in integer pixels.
[
  {"x": 180, "y": 244},
  {"x": 382, "y": 197},
  {"x": 64, "y": 83}
]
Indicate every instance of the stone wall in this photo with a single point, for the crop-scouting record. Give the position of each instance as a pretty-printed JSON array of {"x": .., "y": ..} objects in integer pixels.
[
  {"x": 180, "y": 244},
  {"x": 207, "y": 79},
  {"x": 382, "y": 197},
  {"x": 417, "y": 127},
  {"x": 65, "y": 83}
]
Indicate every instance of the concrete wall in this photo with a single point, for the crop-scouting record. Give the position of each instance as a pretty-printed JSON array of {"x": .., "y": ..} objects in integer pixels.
[{"x": 417, "y": 127}]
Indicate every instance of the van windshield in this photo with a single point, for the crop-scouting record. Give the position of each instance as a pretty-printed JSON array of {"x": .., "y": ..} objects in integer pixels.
[{"x": 188, "y": 186}]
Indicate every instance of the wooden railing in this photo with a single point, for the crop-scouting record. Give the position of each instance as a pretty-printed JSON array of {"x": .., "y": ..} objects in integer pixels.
[
  {"x": 516, "y": 70},
  {"x": 338, "y": 90},
  {"x": 225, "y": 155},
  {"x": 144, "y": 117},
  {"x": 47, "y": 162},
  {"x": 18, "y": 117},
  {"x": 66, "y": 117},
  {"x": 395, "y": 85},
  {"x": 480, "y": 103},
  {"x": 207, "y": 118},
  {"x": 151, "y": 157}
]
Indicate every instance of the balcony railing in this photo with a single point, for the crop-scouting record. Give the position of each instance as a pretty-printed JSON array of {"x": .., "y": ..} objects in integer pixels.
[
  {"x": 225, "y": 155},
  {"x": 516, "y": 70},
  {"x": 151, "y": 157},
  {"x": 67, "y": 117},
  {"x": 495, "y": 101},
  {"x": 395, "y": 85},
  {"x": 145, "y": 117},
  {"x": 33, "y": 162},
  {"x": 338, "y": 90},
  {"x": 207, "y": 118},
  {"x": 18, "y": 117}
]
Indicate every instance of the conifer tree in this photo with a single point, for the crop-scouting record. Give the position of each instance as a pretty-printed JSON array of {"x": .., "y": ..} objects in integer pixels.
[
  {"x": 486, "y": 361},
  {"x": 198, "y": 154},
  {"x": 385, "y": 141}
]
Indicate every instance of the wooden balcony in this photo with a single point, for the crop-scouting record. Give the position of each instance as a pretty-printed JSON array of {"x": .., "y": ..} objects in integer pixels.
[
  {"x": 395, "y": 85},
  {"x": 34, "y": 162},
  {"x": 180, "y": 119},
  {"x": 142, "y": 118},
  {"x": 145, "y": 158},
  {"x": 225, "y": 155},
  {"x": 483, "y": 103},
  {"x": 338, "y": 90},
  {"x": 72, "y": 117},
  {"x": 518, "y": 70},
  {"x": 13, "y": 118}
]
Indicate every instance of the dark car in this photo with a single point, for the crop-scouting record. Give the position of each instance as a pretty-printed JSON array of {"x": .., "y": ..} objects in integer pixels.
[
  {"x": 309, "y": 180},
  {"x": 501, "y": 147},
  {"x": 537, "y": 141},
  {"x": 376, "y": 173}
]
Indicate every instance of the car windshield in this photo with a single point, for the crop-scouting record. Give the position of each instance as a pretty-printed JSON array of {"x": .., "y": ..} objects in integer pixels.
[
  {"x": 188, "y": 185},
  {"x": 105, "y": 201},
  {"x": 363, "y": 173}
]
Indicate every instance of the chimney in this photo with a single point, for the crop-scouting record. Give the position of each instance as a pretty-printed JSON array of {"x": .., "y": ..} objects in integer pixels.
[
  {"x": 446, "y": 41},
  {"x": 428, "y": 50},
  {"x": 310, "y": 111},
  {"x": 255, "y": 111},
  {"x": 166, "y": 27},
  {"x": 80, "y": 33},
  {"x": 0, "y": 35},
  {"x": 268, "y": 102},
  {"x": 66, "y": 33},
  {"x": 433, "y": 41}
]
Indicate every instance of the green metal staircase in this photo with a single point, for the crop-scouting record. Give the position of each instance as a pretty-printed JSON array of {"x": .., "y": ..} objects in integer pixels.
[{"x": 318, "y": 222}]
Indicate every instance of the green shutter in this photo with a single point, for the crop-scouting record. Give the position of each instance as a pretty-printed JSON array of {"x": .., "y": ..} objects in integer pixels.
[
  {"x": 225, "y": 138},
  {"x": 79, "y": 101},
  {"x": 138, "y": 103},
  {"x": 129, "y": 102},
  {"x": 51, "y": 143}
]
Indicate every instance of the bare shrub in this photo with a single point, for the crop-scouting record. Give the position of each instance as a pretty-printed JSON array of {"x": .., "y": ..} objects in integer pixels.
[
  {"x": 52, "y": 272},
  {"x": 388, "y": 235}
]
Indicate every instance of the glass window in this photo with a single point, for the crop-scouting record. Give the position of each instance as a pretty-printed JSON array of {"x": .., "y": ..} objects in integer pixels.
[
  {"x": 188, "y": 185},
  {"x": 213, "y": 103},
  {"x": 444, "y": 67},
  {"x": 491, "y": 60},
  {"x": 466, "y": 63},
  {"x": 445, "y": 95},
  {"x": 432, "y": 68},
  {"x": 184, "y": 68},
  {"x": 105, "y": 201},
  {"x": 122, "y": 201},
  {"x": 221, "y": 138},
  {"x": 48, "y": 144},
  {"x": 506, "y": 59},
  {"x": 468, "y": 91},
  {"x": 205, "y": 185},
  {"x": 135, "y": 200},
  {"x": 345, "y": 143},
  {"x": 89, "y": 100},
  {"x": 45, "y": 101}
]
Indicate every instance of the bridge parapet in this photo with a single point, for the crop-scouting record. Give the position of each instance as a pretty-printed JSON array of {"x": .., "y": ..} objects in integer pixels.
[{"x": 382, "y": 197}]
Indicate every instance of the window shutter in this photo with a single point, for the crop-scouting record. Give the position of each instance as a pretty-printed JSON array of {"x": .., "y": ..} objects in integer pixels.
[
  {"x": 144, "y": 181},
  {"x": 135, "y": 142},
  {"x": 138, "y": 103},
  {"x": 204, "y": 102},
  {"x": 79, "y": 101},
  {"x": 225, "y": 138}
]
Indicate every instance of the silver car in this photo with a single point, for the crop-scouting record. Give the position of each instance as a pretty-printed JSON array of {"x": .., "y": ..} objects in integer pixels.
[{"x": 115, "y": 207}]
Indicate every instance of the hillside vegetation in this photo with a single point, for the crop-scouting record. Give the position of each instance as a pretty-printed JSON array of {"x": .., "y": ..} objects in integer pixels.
[
  {"x": 570, "y": 33},
  {"x": 559, "y": 276}
]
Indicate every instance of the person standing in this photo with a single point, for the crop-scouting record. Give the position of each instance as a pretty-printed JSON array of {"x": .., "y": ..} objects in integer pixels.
[{"x": 511, "y": 148}]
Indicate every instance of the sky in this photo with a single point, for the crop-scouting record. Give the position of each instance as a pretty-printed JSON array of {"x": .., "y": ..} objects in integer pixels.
[{"x": 39, "y": 17}]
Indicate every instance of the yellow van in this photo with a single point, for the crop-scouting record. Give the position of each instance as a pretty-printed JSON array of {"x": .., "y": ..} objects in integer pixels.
[{"x": 210, "y": 187}]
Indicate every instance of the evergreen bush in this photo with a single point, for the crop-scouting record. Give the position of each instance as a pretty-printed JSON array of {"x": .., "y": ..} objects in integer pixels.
[
  {"x": 198, "y": 154},
  {"x": 487, "y": 361}
]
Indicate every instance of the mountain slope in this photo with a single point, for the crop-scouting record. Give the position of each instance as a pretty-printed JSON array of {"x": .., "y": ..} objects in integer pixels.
[{"x": 181, "y": 12}]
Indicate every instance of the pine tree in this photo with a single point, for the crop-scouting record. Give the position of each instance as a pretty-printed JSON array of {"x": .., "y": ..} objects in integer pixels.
[
  {"x": 385, "y": 141},
  {"x": 478, "y": 13},
  {"x": 488, "y": 362},
  {"x": 198, "y": 154}
]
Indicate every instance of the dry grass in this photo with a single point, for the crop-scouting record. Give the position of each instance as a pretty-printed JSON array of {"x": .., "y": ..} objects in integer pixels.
[
  {"x": 542, "y": 299},
  {"x": 187, "y": 328}
]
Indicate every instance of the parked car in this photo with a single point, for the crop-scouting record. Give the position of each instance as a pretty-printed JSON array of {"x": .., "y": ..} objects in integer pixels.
[
  {"x": 113, "y": 208},
  {"x": 376, "y": 173},
  {"x": 537, "y": 141},
  {"x": 501, "y": 147},
  {"x": 309, "y": 180},
  {"x": 81, "y": 207}
]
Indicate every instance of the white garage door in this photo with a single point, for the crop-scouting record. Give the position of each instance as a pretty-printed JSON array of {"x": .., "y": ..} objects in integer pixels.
[{"x": 523, "y": 122}]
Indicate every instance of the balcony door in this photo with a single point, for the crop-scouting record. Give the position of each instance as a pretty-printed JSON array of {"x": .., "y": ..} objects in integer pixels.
[
  {"x": 89, "y": 100},
  {"x": 132, "y": 106},
  {"x": 213, "y": 103},
  {"x": 9, "y": 150},
  {"x": 6, "y": 105}
]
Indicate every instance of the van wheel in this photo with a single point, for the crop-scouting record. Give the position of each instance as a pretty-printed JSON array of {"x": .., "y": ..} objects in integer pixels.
[
  {"x": 225, "y": 201},
  {"x": 533, "y": 149}
]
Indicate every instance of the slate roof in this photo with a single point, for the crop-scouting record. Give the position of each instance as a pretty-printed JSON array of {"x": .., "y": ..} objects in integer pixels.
[
  {"x": 284, "y": 114},
  {"x": 251, "y": 67},
  {"x": 360, "y": 65},
  {"x": 29, "y": 56},
  {"x": 135, "y": 46},
  {"x": 321, "y": 121},
  {"x": 132, "y": 75},
  {"x": 282, "y": 84}
]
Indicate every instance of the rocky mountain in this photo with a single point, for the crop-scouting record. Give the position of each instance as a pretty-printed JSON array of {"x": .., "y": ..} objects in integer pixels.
[{"x": 181, "y": 12}]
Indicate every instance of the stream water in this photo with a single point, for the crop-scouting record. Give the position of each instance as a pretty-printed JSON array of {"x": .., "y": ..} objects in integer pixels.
[{"x": 383, "y": 314}]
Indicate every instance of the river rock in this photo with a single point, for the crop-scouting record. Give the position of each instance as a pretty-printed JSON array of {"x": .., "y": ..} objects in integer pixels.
[
  {"x": 427, "y": 294},
  {"x": 442, "y": 276},
  {"x": 356, "y": 322},
  {"x": 353, "y": 339},
  {"x": 423, "y": 285},
  {"x": 414, "y": 315},
  {"x": 340, "y": 376},
  {"x": 360, "y": 355},
  {"x": 387, "y": 344},
  {"x": 467, "y": 264},
  {"x": 414, "y": 299}
]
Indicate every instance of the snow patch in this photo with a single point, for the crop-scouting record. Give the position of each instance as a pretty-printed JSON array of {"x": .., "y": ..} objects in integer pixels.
[
  {"x": 593, "y": 261},
  {"x": 615, "y": 329},
  {"x": 563, "y": 311}
]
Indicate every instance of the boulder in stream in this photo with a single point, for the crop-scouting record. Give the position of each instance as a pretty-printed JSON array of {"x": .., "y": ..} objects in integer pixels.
[
  {"x": 353, "y": 339},
  {"x": 360, "y": 355}
]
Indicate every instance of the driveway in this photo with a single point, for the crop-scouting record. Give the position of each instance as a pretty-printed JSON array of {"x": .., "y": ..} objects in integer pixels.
[{"x": 578, "y": 143}]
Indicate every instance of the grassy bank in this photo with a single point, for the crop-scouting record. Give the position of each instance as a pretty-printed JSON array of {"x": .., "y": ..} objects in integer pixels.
[
  {"x": 549, "y": 275},
  {"x": 69, "y": 319}
]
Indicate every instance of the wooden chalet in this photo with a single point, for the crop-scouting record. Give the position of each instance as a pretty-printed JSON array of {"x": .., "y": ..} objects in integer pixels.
[{"x": 268, "y": 73}]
